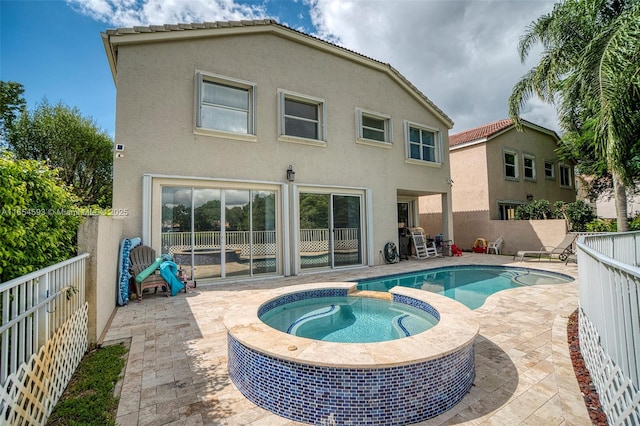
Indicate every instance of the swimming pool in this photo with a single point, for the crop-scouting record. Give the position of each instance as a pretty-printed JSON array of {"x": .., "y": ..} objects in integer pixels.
[
  {"x": 469, "y": 285},
  {"x": 349, "y": 319}
]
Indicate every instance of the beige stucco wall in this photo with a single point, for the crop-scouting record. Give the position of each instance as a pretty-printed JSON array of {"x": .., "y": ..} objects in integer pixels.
[
  {"x": 155, "y": 123},
  {"x": 100, "y": 237},
  {"x": 531, "y": 141},
  {"x": 517, "y": 234}
]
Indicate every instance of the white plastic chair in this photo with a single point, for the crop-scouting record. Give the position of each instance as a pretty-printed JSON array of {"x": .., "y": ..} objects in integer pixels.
[{"x": 495, "y": 246}]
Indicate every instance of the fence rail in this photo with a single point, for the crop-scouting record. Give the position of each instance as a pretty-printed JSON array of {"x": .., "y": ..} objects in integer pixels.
[
  {"x": 609, "y": 287},
  {"x": 311, "y": 240},
  {"x": 34, "y": 309}
]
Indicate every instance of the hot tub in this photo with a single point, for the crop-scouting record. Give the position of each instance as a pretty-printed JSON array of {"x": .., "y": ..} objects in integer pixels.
[{"x": 394, "y": 382}]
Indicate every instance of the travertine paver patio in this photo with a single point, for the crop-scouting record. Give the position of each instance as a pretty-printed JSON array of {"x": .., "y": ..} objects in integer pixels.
[{"x": 176, "y": 371}]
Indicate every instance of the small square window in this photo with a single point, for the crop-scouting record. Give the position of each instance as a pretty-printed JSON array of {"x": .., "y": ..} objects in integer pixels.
[
  {"x": 373, "y": 127},
  {"x": 529, "y": 166},
  {"x": 510, "y": 159},
  {"x": 423, "y": 143},
  {"x": 302, "y": 116},
  {"x": 225, "y": 104}
]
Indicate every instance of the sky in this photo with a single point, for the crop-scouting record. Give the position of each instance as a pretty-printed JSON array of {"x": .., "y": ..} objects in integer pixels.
[{"x": 462, "y": 54}]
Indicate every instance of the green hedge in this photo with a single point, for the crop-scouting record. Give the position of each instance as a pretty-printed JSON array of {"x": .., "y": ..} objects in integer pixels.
[{"x": 38, "y": 217}]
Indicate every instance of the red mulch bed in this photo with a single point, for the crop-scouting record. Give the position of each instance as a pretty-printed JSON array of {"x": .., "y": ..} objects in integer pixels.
[{"x": 591, "y": 398}]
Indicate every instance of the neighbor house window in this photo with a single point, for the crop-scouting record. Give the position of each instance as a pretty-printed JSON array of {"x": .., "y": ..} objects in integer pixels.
[
  {"x": 565, "y": 176},
  {"x": 549, "y": 170},
  {"x": 423, "y": 143},
  {"x": 507, "y": 210},
  {"x": 225, "y": 104},
  {"x": 302, "y": 116},
  {"x": 373, "y": 127},
  {"x": 529, "y": 166},
  {"x": 510, "y": 164}
]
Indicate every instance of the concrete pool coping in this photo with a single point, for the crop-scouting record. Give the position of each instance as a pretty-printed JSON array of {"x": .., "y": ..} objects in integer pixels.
[{"x": 457, "y": 328}]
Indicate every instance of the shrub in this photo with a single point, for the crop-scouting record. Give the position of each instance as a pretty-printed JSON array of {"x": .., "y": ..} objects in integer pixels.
[
  {"x": 601, "y": 225},
  {"x": 38, "y": 220},
  {"x": 578, "y": 214}
]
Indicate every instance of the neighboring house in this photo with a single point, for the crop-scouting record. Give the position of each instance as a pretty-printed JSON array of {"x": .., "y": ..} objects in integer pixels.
[
  {"x": 284, "y": 152},
  {"x": 495, "y": 168}
]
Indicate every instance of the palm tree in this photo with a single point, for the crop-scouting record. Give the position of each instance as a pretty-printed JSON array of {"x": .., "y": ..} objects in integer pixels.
[{"x": 590, "y": 69}]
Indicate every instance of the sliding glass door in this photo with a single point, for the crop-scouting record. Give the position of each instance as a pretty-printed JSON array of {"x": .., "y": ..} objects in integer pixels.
[
  {"x": 218, "y": 233},
  {"x": 330, "y": 230}
]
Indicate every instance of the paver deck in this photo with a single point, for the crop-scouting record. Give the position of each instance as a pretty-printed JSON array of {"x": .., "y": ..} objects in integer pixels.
[{"x": 176, "y": 372}]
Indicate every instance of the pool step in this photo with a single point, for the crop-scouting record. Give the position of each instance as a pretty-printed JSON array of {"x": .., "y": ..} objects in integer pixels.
[{"x": 372, "y": 294}]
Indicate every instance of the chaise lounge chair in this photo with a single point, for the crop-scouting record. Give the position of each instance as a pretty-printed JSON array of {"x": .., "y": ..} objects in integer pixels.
[{"x": 562, "y": 250}]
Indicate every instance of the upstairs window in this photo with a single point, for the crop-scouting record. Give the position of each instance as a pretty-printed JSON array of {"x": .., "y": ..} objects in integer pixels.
[
  {"x": 549, "y": 170},
  {"x": 423, "y": 143},
  {"x": 510, "y": 164},
  {"x": 302, "y": 116},
  {"x": 373, "y": 127},
  {"x": 225, "y": 105},
  {"x": 565, "y": 176},
  {"x": 529, "y": 166}
]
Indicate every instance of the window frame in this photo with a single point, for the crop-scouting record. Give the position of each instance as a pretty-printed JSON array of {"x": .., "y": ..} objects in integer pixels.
[
  {"x": 203, "y": 77},
  {"x": 437, "y": 141},
  {"x": 552, "y": 169},
  {"x": 514, "y": 153},
  {"x": 507, "y": 205},
  {"x": 387, "y": 131},
  {"x": 283, "y": 96},
  {"x": 525, "y": 157},
  {"x": 561, "y": 167}
]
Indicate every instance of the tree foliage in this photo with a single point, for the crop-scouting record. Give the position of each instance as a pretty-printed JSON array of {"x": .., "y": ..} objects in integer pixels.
[
  {"x": 38, "y": 220},
  {"x": 11, "y": 104},
  {"x": 577, "y": 214},
  {"x": 66, "y": 140},
  {"x": 590, "y": 69}
]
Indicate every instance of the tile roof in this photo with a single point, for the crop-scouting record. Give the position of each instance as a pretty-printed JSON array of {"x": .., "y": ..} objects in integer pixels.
[
  {"x": 115, "y": 32},
  {"x": 482, "y": 132}
]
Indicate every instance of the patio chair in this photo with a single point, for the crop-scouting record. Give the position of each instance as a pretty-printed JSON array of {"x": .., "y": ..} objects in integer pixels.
[
  {"x": 563, "y": 250},
  {"x": 144, "y": 263},
  {"x": 495, "y": 246},
  {"x": 423, "y": 250}
]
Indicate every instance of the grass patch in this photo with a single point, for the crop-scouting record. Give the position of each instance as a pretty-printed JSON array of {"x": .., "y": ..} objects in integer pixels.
[{"x": 89, "y": 398}]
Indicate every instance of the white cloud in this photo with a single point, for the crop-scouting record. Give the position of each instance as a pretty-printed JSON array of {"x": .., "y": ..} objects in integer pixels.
[
  {"x": 461, "y": 54},
  {"x": 129, "y": 13}
]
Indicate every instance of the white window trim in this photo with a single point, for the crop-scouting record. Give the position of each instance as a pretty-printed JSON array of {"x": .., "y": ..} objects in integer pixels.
[
  {"x": 504, "y": 164},
  {"x": 553, "y": 170},
  {"x": 322, "y": 139},
  {"x": 388, "y": 142},
  {"x": 560, "y": 167},
  {"x": 437, "y": 140},
  {"x": 234, "y": 82},
  {"x": 533, "y": 159}
]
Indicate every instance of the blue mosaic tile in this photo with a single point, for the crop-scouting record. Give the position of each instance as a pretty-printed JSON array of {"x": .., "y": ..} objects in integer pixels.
[{"x": 391, "y": 396}]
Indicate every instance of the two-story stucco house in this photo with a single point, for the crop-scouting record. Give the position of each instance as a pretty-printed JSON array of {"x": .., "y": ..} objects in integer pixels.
[
  {"x": 495, "y": 168},
  {"x": 247, "y": 148}
]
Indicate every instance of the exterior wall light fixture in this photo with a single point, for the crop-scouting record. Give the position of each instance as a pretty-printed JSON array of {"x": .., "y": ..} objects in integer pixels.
[
  {"x": 529, "y": 197},
  {"x": 291, "y": 175}
]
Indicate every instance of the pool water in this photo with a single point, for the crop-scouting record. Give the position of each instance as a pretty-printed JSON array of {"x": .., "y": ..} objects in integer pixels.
[
  {"x": 469, "y": 285},
  {"x": 349, "y": 319}
]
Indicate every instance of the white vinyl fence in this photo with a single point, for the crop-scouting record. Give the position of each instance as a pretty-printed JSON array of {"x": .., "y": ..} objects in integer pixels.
[
  {"x": 43, "y": 336},
  {"x": 609, "y": 286}
]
